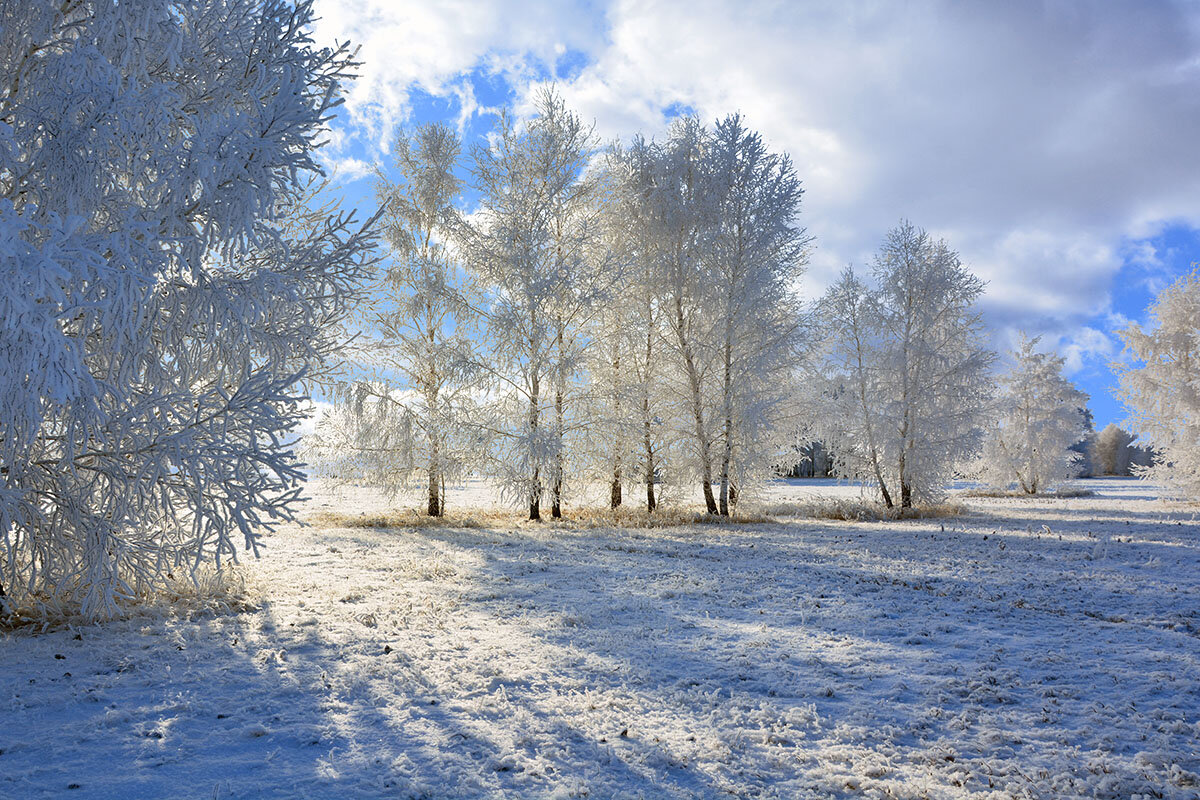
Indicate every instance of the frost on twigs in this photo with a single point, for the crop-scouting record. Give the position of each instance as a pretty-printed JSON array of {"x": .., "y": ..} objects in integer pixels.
[
  {"x": 1160, "y": 385},
  {"x": 903, "y": 386},
  {"x": 166, "y": 287},
  {"x": 1040, "y": 416}
]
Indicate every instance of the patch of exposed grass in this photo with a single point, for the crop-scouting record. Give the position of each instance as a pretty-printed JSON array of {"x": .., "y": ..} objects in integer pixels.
[
  {"x": 1064, "y": 493},
  {"x": 668, "y": 517},
  {"x": 210, "y": 592},
  {"x": 403, "y": 518},
  {"x": 847, "y": 510}
]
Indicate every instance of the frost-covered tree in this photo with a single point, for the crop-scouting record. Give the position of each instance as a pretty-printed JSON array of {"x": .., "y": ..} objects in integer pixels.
[
  {"x": 680, "y": 206},
  {"x": 713, "y": 251},
  {"x": 527, "y": 245},
  {"x": 615, "y": 338},
  {"x": 1111, "y": 450},
  {"x": 410, "y": 420},
  {"x": 1160, "y": 385},
  {"x": 757, "y": 255},
  {"x": 164, "y": 289},
  {"x": 906, "y": 368},
  {"x": 637, "y": 318},
  {"x": 847, "y": 390},
  {"x": 1039, "y": 418}
]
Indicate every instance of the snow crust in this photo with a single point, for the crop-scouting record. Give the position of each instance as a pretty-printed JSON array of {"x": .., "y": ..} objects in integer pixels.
[{"x": 1043, "y": 648}]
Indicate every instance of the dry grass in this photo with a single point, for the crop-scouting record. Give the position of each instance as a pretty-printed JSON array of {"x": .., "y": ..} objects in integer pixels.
[
  {"x": 1059, "y": 494},
  {"x": 639, "y": 518},
  {"x": 211, "y": 592},
  {"x": 847, "y": 510},
  {"x": 668, "y": 517},
  {"x": 586, "y": 518},
  {"x": 404, "y": 518}
]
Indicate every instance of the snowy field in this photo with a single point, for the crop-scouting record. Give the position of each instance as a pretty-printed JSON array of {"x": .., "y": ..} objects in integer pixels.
[{"x": 1046, "y": 648}]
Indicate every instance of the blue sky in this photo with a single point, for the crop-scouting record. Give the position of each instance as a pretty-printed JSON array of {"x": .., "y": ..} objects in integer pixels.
[{"x": 1052, "y": 145}]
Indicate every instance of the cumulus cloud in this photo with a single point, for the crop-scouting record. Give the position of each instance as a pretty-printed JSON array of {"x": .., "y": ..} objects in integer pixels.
[
  {"x": 1037, "y": 138},
  {"x": 1086, "y": 346},
  {"x": 414, "y": 44}
]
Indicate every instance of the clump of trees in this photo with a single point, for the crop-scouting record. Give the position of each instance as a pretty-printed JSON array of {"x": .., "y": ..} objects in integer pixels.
[
  {"x": 638, "y": 309},
  {"x": 1113, "y": 451},
  {"x": 1160, "y": 385},
  {"x": 641, "y": 326},
  {"x": 903, "y": 385},
  {"x": 167, "y": 286},
  {"x": 1040, "y": 416}
]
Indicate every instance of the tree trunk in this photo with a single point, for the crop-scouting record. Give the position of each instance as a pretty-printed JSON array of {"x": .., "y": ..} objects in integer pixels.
[
  {"x": 535, "y": 480},
  {"x": 434, "y": 508},
  {"x": 556, "y": 495},
  {"x": 866, "y": 409},
  {"x": 615, "y": 494},
  {"x": 702, "y": 446},
  {"x": 727, "y": 450},
  {"x": 710, "y": 502},
  {"x": 647, "y": 442}
]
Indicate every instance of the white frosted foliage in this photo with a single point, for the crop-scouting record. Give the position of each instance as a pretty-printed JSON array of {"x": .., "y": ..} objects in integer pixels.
[
  {"x": 1040, "y": 415},
  {"x": 164, "y": 286},
  {"x": 1160, "y": 385},
  {"x": 904, "y": 381}
]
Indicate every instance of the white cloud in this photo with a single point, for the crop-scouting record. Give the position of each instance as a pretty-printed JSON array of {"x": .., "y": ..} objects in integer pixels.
[
  {"x": 1035, "y": 138},
  {"x": 346, "y": 169},
  {"x": 316, "y": 409},
  {"x": 1086, "y": 346},
  {"x": 413, "y": 43}
]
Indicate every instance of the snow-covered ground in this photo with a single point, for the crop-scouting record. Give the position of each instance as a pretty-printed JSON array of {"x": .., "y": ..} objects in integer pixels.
[{"x": 1044, "y": 648}]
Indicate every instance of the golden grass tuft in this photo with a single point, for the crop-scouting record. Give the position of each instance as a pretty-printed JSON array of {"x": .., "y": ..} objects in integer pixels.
[
  {"x": 402, "y": 518},
  {"x": 846, "y": 510},
  {"x": 211, "y": 592},
  {"x": 669, "y": 517},
  {"x": 1064, "y": 493}
]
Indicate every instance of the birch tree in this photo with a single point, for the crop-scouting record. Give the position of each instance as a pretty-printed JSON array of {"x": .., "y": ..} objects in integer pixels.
[
  {"x": 915, "y": 368},
  {"x": 615, "y": 337},
  {"x": 409, "y": 420},
  {"x": 164, "y": 289},
  {"x": 682, "y": 210},
  {"x": 1160, "y": 385},
  {"x": 638, "y": 319},
  {"x": 525, "y": 243},
  {"x": 849, "y": 391},
  {"x": 1039, "y": 418},
  {"x": 758, "y": 253}
]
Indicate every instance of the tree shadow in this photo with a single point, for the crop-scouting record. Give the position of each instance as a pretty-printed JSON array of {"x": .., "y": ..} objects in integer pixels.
[
  {"x": 322, "y": 705},
  {"x": 901, "y": 660}
]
